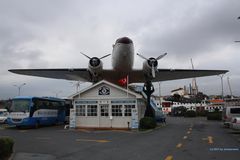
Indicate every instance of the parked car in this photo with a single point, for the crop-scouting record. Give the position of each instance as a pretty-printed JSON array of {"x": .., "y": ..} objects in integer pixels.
[
  {"x": 228, "y": 113},
  {"x": 3, "y": 115},
  {"x": 235, "y": 123}
]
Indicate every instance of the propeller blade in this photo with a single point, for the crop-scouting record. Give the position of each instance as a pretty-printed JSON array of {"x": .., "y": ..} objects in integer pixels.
[
  {"x": 153, "y": 71},
  {"x": 142, "y": 56},
  {"x": 105, "y": 56},
  {"x": 85, "y": 55},
  {"x": 161, "y": 56}
]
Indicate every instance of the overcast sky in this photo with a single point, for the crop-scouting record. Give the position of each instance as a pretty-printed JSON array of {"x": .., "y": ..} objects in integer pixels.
[{"x": 50, "y": 34}]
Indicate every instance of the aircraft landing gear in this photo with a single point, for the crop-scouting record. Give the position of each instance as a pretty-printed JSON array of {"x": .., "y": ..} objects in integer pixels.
[{"x": 148, "y": 89}]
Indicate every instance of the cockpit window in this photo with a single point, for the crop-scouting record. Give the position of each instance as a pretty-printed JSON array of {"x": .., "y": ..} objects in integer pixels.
[{"x": 124, "y": 40}]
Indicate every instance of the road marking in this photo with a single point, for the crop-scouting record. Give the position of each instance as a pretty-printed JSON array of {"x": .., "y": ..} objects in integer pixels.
[
  {"x": 122, "y": 131},
  {"x": 169, "y": 158},
  {"x": 23, "y": 131},
  {"x": 188, "y": 132},
  {"x": 185, "y": 137},
  {"x": 93, "y": 140},
  {"x": 179, "y": 145},
  {"x": 84, "y": 130},
  {"x": 190, "y": 129},
  {"x": 210, "y": 140},
  {"x": 43, "y": 138}
]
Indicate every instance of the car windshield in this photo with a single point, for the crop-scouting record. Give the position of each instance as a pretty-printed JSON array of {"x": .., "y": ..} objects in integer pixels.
[
  {"x": 20, "y": 105},
  {"x": 3, "y": 113},
  {"x": 235, "y": 110}
]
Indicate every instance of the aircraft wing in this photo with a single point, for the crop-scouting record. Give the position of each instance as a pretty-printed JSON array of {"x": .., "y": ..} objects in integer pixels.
[
  {"x": 79, "y": 74},
  {"x": 136, "y": 76}
]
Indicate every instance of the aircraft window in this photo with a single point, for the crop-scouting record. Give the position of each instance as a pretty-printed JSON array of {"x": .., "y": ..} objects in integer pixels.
[{"x": 124, "y": 40}]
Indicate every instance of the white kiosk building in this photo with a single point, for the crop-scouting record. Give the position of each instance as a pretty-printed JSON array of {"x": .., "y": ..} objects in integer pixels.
[{"x": 106, "y": 105}]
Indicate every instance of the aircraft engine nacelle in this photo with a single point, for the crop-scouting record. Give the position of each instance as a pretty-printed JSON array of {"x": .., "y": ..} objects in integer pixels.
[
  {"x": 150, "y": 67},
  {"x": 95, "y": 66}
]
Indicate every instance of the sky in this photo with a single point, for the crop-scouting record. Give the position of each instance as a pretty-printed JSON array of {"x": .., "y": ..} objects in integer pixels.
[{"x": 51, "y": 34}]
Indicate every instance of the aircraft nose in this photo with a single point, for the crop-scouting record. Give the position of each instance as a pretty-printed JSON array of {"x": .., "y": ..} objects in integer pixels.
[{"x": 124, "y": 40}]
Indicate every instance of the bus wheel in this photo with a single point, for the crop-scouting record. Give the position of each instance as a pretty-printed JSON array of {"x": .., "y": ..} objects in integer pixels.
[{"x": 37, "y": 125}]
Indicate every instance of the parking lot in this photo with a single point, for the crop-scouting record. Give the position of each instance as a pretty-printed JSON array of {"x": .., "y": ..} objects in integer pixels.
[{"x": 180, "y": 138}]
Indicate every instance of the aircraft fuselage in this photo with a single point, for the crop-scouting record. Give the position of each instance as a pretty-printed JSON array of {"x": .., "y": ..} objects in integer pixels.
[{"x": 123, "y": 55}]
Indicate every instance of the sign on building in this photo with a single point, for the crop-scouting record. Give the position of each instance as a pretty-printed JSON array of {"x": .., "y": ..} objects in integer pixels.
[
  {"x": 134, "y": 119},
  {"x": 72, "y": 118},
  {"x": 104, "y": 90}
]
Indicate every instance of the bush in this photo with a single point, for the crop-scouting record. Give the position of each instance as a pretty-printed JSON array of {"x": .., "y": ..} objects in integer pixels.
[
  {"x": 179, "y": 111},
  {"x": 202, "y": 113},
  {"x": 214, "y": 116},
  {"x": 190, "y": 113},
  {"x": 147, "y": 123},
  {"x": 6, "y": 147}
]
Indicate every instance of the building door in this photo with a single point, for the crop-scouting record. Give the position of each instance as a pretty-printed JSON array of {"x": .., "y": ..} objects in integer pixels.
[{"x": 104, "y": 116}]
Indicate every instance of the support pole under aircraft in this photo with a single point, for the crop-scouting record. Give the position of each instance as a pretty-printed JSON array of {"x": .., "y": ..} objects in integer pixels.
[{"x": 148, "y": 89}]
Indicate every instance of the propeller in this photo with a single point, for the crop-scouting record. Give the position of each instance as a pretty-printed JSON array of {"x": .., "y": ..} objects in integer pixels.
[
  {"x": 95, "y": 61},
  {"x": 99, "y": 58},
  {"x": 153, "y": 62}
]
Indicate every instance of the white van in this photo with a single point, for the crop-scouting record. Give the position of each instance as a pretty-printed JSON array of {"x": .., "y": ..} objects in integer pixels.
[
  {"x": 228, "y": 113},
  {"x": 3, "y": 115}
]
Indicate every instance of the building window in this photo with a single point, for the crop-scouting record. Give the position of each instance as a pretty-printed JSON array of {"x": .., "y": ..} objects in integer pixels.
[
  {"x": 80, "y": 110},
  {"x": 117, "y": 110},
  {"x": 92, "y": 110},
  {"x": 104, "y": 110},
  {"x": 128, "y": 110}
]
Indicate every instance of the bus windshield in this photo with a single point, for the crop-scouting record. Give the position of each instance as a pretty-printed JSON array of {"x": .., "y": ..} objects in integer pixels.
[{"x": 20, "y": 105}]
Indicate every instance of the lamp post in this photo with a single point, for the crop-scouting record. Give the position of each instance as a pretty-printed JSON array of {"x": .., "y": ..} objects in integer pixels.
[
  {"x": 77, "y": 84},
  {"x": 221, "y": 77},
  {"x": 237, "y": 41},
  {"x": 57, "y": 93},
  {"x": 19, "y": 88},
  {"x": 159, "y": 93}
]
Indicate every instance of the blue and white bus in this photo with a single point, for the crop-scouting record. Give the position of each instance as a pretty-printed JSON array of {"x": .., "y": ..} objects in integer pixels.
[{"x": 35, "y": 111}]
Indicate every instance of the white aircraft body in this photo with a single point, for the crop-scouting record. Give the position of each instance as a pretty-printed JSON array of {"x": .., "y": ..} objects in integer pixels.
[{"x": 122, "y": 63}]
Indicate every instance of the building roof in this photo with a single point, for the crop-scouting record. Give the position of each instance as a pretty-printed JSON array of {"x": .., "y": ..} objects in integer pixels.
[
  {"x": 216, "y": 101},
  {"x": 107, "y": 83}
]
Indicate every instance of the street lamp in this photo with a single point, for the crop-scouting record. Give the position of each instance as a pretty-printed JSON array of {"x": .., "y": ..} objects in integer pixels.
[
  {"x": 57, "y": 93},
  {"x": 77, "y": 84},
  {"x": 237, "y": 41},
  {"x": 221, "y": 76},
  {"x": 159, "y": 93},
  {"x": 19, "y": 88}
]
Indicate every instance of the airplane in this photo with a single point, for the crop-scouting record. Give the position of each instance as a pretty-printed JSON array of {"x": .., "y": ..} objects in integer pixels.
[{"x": 122, "y": 67}]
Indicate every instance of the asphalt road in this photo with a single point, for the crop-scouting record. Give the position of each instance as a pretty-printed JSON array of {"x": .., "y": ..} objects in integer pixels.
[{"x": 180, "y": 139}]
